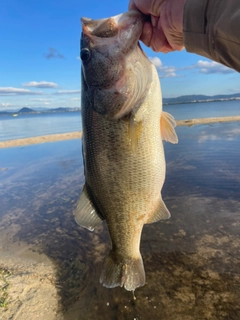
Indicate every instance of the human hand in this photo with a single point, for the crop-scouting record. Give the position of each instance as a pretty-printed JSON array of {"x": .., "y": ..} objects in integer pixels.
[{"x": 164, "y": 31}]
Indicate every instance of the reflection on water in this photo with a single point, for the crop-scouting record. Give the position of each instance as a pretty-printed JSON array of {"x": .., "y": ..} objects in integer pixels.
[{"x": 192, "y": 261}]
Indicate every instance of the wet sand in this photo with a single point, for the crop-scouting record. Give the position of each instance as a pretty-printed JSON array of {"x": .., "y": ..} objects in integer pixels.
[
  {"x": 192, "y": 261},
  {"x": 28, "y": 290},
  {"x": 41, "y": 139},
  {"x": 192, "y": 122}
]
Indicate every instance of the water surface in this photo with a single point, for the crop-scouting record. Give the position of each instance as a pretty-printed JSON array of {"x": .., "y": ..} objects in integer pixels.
[
  {"x": 192, "y": 261},
  {"x": 204, "y": 110},
  {"x": 33, "y": 125}
]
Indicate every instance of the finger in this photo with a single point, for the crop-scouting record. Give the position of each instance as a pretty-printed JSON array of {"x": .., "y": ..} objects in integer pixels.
[
  {"x": 155, "y": 7},
  {"x": 167, "y": 23},
  {"x": 154, "y": 20},
  {"x": 159, "y": 42},
  {"x": 177, "y": 45},
  {"x": 146, "y": 35},
  {"x": 141, "y": 5},
  {"x": 131, "y": 5}
]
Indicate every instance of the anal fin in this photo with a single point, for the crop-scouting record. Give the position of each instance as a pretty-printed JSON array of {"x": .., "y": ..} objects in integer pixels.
[
  {"x": 161, "y": 213},
  {"x": 167, "y": 126},
  {"x": 85, "y": 213}
]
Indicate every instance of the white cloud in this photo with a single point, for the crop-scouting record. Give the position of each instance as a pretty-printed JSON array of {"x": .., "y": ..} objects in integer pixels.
[
  {"x": 205, "y": 137},
  {"x": 68, "y": 92},
  {"x": 5, "y": 104},
  {"x": 10, "y": 91},
  {"x": 167, "y": 72},
  {"x": 41, "y": 84},
  {"x": 228, "y": 135},
  {"x": 163, "y": 71},
  {"x": 233, "y": 131},
  {"x": 213, "y": 137},
  {"x": 75, "y": 99},
  {"x": 209, "y": 67},
  {"x": 156, "y": 61},
  {"x": 40, "y": 100}
]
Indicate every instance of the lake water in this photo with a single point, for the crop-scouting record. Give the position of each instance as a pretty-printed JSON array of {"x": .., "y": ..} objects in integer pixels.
[
  {"x": 32, "y": 125},
  {"x": 204, "y": 110},
  {"x": 192, "y": 261}
]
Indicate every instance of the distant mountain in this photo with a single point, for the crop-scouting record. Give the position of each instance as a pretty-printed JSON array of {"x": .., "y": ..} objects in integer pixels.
[
  {"x": 4, "y": 113},
  {"x": 62, "y": 109},
  {"x": 200, "y": 98},
  {"x": 26, "y": 110}
]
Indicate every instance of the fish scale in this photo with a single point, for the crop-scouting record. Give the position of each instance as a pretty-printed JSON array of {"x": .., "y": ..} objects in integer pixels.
[{"x": 123, "y": 152}]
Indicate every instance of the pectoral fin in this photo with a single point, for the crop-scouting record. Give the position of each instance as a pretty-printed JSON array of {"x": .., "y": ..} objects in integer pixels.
[
  {"x": 167, "y": 126},
  {"x": 85, "y": 213},
  {"x": 161, "y": 213},
  {"x": 135, "y": 131}
]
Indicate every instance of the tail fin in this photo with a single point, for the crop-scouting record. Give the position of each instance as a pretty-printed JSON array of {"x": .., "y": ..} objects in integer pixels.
[{"x": 128, "y": 273}]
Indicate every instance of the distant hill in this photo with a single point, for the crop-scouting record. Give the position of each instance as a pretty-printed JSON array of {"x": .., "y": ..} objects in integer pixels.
[
  {"x": 60, "y": 110},
  {"x": 4, "y": 113},
  {"x": 26, "y": 110},
  {"x": 200, "y": 98}
]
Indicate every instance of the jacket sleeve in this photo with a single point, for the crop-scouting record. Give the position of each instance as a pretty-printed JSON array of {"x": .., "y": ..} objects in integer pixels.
[{"x": 211, "y": 28}]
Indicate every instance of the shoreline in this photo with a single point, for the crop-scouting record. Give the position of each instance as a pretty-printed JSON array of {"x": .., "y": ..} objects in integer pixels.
[
  {"x": 78, "y": 134},
  {"x": 41, "y": 139},
  {"x": 192, "y": 122}
]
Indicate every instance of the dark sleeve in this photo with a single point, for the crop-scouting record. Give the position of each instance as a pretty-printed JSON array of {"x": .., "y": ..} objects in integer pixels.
[{"x": 211, "y": 28}]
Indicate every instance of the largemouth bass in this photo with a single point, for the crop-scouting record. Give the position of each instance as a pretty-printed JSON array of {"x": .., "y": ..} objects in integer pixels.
[{"x": 123, "y": 127}]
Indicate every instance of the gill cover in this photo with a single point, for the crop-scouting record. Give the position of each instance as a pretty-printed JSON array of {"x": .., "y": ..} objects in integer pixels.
[{"x": 114, "y": 68}]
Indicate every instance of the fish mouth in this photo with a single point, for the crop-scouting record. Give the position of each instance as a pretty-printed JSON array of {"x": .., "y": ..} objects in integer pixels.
[
  {"x": 112, "y": 62},
  {"x": 110, "y": 27}
]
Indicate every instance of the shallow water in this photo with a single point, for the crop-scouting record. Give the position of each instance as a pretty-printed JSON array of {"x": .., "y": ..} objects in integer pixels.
[{"x": 192, "y": 261}]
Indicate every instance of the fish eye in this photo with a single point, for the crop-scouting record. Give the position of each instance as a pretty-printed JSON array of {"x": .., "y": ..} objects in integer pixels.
[{"x": 85, "y": 55}]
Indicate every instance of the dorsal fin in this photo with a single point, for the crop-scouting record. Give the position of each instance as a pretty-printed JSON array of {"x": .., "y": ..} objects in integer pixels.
[
  {"x": 161, "y": 213},
  {"x": 85, "y": 213},
  {"x": 167, "y": 126}
]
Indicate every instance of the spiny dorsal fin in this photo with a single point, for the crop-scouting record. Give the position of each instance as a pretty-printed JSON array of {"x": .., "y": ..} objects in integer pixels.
[
  {"x": 161, "y": 213},
  {"x": 85, "y": 213},
  {"x": 168, "y": 124}
]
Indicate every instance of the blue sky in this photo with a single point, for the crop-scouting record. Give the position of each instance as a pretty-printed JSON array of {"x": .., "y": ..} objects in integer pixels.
[{"x": 39, "y": 64}]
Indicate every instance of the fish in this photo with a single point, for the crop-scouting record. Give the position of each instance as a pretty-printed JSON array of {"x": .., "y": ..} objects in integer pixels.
[{"x": 123, "y": 126}]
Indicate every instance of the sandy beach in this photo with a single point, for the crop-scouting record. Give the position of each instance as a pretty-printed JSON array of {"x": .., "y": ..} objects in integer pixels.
[
  {"x": 41, "y": 139},
  {"x": 192, "y": 122},
  {"x": 27, "y": 283}
]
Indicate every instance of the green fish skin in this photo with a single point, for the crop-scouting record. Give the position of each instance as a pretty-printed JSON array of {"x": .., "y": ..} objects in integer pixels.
[{"x": 123, "y": 128}]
